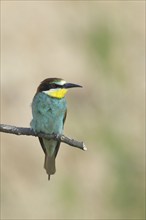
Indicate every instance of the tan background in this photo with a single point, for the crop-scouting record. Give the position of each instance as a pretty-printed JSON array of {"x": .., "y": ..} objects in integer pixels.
[{"x": 100, "y": 45}]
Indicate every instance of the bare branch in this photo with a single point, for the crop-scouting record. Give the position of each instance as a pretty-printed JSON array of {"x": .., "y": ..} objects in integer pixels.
[{"x": 28, "y": 131}]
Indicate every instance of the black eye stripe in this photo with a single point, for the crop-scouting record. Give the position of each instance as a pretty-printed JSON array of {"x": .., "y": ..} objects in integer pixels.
[
  {"x": 45, "y": 87},
  {"x": 53, "y": 85}
]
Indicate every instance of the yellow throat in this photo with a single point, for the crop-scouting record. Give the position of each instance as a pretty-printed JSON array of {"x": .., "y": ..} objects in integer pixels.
[{"x": 56, "y": 93}]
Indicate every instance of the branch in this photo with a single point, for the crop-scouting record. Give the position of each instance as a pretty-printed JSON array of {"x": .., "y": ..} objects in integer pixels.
[{"x": 28, "y": 131}]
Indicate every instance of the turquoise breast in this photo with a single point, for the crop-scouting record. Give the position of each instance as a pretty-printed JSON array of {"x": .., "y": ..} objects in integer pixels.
[{"x": 48, "y": 114}]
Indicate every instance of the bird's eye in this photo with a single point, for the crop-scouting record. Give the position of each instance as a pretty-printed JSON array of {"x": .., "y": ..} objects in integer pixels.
[{"x": 54, "y": 86}]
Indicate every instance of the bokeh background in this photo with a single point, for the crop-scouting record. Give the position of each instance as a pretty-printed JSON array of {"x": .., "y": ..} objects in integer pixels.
[{"x": 100, "y": 45}]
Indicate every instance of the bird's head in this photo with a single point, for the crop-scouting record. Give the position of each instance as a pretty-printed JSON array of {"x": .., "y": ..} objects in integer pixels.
[{"x": 55, "y": 87}]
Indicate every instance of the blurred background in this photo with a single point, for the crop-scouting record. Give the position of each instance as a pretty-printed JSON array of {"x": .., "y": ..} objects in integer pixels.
[{"x": 100, "y": 45}]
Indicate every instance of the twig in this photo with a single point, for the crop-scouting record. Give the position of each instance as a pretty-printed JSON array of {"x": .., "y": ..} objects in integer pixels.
[{"x": 28, "y": 131}]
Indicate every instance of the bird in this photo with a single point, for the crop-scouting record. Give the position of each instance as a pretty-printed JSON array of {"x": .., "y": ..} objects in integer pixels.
[{"x": 49, "y": 111}]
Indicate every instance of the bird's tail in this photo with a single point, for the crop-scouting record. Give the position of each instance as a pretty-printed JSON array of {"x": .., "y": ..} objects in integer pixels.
[
  {"x": 49, "y": 165},
  {"x": 50, "y": 148}
]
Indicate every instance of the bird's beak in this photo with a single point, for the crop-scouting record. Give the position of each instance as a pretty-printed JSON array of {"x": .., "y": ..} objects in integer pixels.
[{"x": 70, "y": 85}]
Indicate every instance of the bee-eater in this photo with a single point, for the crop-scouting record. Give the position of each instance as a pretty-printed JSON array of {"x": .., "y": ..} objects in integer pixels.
[{"x": 49, "y": 110}]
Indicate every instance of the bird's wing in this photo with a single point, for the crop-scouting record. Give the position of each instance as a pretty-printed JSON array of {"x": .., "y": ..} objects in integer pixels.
[{"x": 42, "y": 145}]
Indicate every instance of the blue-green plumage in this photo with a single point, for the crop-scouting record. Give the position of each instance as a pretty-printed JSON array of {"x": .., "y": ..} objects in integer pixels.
[
  {"x": 48, "y": 117},
  {"x": 48, "y": 113}
]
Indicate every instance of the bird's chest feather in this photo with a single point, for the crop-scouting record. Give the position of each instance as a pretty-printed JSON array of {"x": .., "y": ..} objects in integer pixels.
[{"x": 48, "y": 113}]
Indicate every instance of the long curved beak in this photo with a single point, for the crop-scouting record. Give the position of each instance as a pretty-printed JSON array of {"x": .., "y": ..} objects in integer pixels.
[{"x": 71, "y": 85}]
